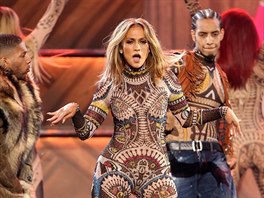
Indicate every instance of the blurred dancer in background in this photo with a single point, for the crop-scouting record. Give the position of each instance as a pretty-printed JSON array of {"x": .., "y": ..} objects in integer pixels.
[{"x": 242, "y": 59}]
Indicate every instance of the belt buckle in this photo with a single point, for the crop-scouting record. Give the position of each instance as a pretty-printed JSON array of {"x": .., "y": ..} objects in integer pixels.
[{"x": 197, "y": 145}]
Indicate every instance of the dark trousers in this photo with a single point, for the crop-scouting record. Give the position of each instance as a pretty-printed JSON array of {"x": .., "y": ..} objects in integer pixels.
[{"x": 201, "y": 174}]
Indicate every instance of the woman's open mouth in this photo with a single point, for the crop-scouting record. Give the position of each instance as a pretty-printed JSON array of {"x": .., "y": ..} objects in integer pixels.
[{"x": 136, "y": 58}]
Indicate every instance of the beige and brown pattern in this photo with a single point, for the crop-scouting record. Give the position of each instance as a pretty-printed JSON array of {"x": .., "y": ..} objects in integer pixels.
[{"x": 248, "y": 104}]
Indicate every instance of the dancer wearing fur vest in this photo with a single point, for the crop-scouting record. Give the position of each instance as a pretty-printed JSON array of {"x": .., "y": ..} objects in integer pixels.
[{"x": 20, "y": 118}]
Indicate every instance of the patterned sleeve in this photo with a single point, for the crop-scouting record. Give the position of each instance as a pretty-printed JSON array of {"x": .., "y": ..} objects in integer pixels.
[
  {"x": 45, "y": 25},
  {"x": 179, "y": 107},
  {"x": 96, "y": 113},
  {"x": 36, "y": 39}
]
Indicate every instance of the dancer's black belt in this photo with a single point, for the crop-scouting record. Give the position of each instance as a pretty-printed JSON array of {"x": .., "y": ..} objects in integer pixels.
[{"x": 194, "y": 146}]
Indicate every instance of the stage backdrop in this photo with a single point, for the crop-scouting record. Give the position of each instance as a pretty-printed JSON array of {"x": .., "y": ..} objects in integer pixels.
[
  {"x": 85, "y": 24},
  {"x": 72, "y": 79}
]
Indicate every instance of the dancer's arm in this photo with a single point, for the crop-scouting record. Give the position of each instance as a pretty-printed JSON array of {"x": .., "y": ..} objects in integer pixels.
[
  {"x": 85, "y": 125},
  {"x": 45, "y": 25},
  {"x": 37, "y": 38},
  {"x": 193, "y": 6}
]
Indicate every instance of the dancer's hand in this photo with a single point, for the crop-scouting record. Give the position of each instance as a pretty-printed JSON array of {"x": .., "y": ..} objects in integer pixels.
[
  {"x": 231, "y": 118},
  {"x": 65, "y": 112}
]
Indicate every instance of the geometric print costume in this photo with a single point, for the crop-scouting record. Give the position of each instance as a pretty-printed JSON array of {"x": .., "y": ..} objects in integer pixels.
[
  {"x": 248, "y": 103},
  {"x": 203, "y": 86},
  {"x": 135, "y": 160},
  {"x": 203, "y": 172}
]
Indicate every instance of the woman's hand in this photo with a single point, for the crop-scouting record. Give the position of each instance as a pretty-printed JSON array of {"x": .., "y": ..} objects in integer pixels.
[
  {"x": 67, "y": 111},
  {"x": 231, "y": 118}
]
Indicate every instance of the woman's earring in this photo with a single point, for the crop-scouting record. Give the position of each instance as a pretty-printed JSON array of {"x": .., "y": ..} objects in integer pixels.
[{"x": 121, "y": 51}]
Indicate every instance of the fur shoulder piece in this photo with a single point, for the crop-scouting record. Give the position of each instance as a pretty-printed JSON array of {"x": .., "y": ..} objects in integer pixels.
[{"x": 191, "y": 74}]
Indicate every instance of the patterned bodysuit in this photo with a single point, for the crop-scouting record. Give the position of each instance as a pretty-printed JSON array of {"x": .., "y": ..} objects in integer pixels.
[
  {"x": 135, "y": 160},
  {"x": 248, "y": 103}
]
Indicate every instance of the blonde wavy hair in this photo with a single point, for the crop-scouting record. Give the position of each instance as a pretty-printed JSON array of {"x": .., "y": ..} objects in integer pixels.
[
  {"x": 156, "y": 60},
  {"x": 9, "y": 22}
]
